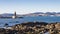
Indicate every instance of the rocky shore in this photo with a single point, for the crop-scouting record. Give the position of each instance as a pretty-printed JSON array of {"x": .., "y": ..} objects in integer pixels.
[{"x": 33, "y": 28}]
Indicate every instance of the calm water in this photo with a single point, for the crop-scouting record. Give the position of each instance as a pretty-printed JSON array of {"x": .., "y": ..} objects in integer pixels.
[{"x": 29, "y": 19}]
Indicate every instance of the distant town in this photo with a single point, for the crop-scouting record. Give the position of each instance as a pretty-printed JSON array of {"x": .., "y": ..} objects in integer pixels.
[{"x": 15, "y": 15}]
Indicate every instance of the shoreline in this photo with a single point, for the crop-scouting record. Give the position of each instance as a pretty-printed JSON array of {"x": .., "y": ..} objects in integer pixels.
[{"x": 33, "y": 28}]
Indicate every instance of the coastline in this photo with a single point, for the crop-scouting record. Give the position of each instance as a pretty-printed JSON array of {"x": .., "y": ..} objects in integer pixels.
[{"x": 33, "y": 28}]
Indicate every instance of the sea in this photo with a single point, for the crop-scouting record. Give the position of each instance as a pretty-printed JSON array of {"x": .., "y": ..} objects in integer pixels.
[{"x": 11, "y": 21}]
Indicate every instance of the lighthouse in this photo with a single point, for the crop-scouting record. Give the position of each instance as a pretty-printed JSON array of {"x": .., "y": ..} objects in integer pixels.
[{"x": 14, "y": 16}]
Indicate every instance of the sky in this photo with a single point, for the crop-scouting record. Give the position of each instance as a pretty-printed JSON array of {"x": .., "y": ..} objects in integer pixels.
[{"x": 29, "y": 6}]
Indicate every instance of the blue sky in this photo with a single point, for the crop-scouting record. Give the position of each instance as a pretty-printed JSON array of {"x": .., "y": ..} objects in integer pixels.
[{"x": 29, "y": 6}]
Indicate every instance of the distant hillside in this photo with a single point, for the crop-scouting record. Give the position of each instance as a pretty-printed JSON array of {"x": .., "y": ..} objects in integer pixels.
[
  {"x": 37, "y": 13},
  {"x": 7, "y": 15}
]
